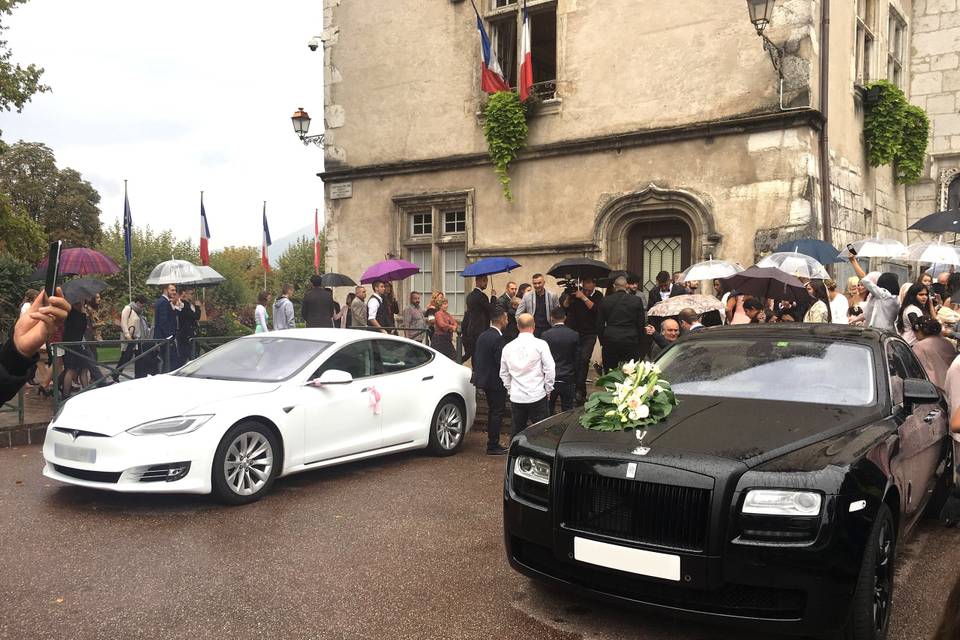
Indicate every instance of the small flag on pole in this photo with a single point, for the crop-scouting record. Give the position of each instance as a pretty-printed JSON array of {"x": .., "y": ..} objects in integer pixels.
[
  {"x": 127, "y": 226},
  {"x": 491, "y": 76},
  {"x": 204, "y": 235},
  {"x": 316, "y": 241},
  {"x": 526, "y": 58},
  {"x": 266, "y": 240}
]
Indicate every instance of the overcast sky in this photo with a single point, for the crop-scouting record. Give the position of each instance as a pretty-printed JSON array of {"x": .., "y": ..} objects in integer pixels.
[{"x": 178, "y": 97}]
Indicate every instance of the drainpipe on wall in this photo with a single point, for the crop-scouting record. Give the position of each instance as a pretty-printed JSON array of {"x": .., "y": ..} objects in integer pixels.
[{"x": 825, "y": 196}]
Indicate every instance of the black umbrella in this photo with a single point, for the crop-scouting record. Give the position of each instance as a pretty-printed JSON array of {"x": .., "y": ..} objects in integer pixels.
[
  {"x": 580, "y": 268},
  {"x": 603, "y": 283},
  {"x": 82, "y": 289},
  {"x": 767, "y": 282},
  {"x": 336, "y": 280},
  {"x": 947, "y": 221}
]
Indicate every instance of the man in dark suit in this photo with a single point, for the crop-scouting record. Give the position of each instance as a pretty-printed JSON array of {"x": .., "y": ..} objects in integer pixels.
[
  {"x": 476, "y": 317},
  {"x": 621, "y": 327},
  {"x": 318, "y": 308},
  {"x": 564, "y": 345},
  {"x": 689, "y": 321},
  {"x": 165, "y": 322},
  {"x": 486, "y": 376},
  {"x": 664, "y": 290}
]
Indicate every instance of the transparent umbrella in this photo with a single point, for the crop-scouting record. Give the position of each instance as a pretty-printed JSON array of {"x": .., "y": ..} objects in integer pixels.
[
  {"x": 796, "y": 264},
  {"x": 877, "y": 248},
  {"x": 710, "y": 270},
  {"x": 933, "y": 253},
  {"x": 174, "y": 272}
]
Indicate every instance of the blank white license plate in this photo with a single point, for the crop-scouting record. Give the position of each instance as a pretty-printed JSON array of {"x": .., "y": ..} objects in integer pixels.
[
  {"x": 611, "y": 556},
  {"x": 77, "y": 454}
]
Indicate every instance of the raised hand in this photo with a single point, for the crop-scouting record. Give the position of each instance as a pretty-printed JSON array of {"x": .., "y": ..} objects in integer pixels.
[{"x": 35, "y": 327}]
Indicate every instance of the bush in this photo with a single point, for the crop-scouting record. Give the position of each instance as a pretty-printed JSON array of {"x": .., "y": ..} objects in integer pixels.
[{"x": 896, "y": 131}]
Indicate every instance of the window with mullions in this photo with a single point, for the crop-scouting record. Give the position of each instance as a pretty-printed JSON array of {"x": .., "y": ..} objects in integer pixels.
[
  {"x": 454, "y": 221},
  {"x": 506, "y": 23},
  {"x": 421, "y": 224},
  {"x": 866, "y": 39},
  {"x": 896, "y": 37},
  {"x": 434, "y": 237}
]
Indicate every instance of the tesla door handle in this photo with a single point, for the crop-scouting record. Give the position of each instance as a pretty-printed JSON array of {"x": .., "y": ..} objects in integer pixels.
[
  {"x": 365, "y": 389},
  {"x": 425, "y": 378},
  {"x": 933, "y": 415}
]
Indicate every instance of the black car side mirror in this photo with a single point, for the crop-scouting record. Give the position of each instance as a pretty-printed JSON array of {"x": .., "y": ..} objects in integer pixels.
[{"x": 917, "y": 391}]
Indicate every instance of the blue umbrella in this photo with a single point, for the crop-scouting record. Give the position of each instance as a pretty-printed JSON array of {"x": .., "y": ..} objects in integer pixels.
[
  {"x": 488, "y": 266},
  {"x": 819, "y": 250}
]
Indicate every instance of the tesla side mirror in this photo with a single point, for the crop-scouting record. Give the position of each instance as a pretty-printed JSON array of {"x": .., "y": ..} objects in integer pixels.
[
  {"x": 331, "y": 376},
  {"x": 919, "y": 392}
]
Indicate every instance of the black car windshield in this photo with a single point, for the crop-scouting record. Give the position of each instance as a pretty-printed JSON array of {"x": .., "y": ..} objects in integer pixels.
[
  {"x": 260, "y": 359},
  {"x": 769, "y": 368}
]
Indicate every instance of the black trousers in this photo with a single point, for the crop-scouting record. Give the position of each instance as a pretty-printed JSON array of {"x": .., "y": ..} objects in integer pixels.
[
  {"x": 584, "y": 352},
  {"x": 524, "y": 413},
  {"x": 496, "y": 404},
  {"x": 129, "y": 351},
  {"x": 615, "y": 353},
  {"x": 566, "y": 392}
]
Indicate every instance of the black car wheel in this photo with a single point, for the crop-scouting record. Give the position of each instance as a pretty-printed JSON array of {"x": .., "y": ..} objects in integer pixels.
[
  {"x": 245, "y": 464},
  {"x": 448, "y": 426},
  {"x": 873, "y": 597}
]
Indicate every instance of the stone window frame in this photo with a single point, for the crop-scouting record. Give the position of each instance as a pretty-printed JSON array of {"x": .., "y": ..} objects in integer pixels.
[
  {"x": 865, "y": 41},
  {"x": 404, "y": 241},
  {"x": 493, "y": 14},
  {"x": 896, "y": 46}
]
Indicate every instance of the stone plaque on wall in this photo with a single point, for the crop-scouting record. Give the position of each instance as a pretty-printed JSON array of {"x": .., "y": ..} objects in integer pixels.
[{"x": 341, "y": 190}]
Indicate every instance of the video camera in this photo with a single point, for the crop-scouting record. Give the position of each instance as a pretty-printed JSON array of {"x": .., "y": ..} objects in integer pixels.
[{"x": 570, "y": 285}]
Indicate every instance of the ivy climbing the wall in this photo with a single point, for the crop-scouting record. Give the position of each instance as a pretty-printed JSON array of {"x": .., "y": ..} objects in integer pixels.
[
  {"x": 895, "y": 131},
  {"x": 505, "y": 128}
]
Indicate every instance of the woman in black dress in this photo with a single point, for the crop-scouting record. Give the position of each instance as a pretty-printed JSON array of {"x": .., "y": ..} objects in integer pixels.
[
  {"x": 187, "y": 320},
  {"x": 73, "y": 361}
]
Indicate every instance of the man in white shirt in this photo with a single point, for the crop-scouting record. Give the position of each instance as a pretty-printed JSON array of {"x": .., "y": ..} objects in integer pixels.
[
  {"x": 376, "y": 310},
  {"x": 527, "y": 371}
]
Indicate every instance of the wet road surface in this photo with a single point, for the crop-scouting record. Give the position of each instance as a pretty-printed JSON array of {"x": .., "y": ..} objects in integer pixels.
[{"x": 408, "y": 546}]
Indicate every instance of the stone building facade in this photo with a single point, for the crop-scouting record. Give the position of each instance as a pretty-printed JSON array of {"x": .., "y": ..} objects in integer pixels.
[{"x": 663, "y": 134}]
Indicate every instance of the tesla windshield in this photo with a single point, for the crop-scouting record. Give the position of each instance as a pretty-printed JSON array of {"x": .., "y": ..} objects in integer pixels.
[
  {"x": 255, "y": 359},
  {"x": 769, "y": 368}
]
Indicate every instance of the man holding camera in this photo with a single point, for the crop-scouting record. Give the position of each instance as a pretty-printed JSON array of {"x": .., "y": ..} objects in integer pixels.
[{"x": 582, "y": 305}]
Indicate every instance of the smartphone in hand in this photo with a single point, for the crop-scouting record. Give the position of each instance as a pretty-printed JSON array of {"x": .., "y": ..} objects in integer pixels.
[
  {"x": 53, "y": 267},
  {"x": 852, "y": 251}
]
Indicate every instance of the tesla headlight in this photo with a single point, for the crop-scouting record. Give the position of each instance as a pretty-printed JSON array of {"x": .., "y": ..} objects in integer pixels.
[
  {"x": 170, "y": 426},
  {"x": 771, "y": 502},
  {"x": 532, "y": 469}
]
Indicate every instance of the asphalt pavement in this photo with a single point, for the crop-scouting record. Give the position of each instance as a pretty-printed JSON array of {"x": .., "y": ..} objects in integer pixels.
[{"x": 408, "y": 546}]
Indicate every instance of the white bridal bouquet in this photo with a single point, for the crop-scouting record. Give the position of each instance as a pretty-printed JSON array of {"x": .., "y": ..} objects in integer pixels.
[{"x": 633, "y": 396}]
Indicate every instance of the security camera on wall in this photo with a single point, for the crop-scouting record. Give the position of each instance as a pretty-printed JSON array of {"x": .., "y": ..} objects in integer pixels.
[{"x": 314, "y": 43}]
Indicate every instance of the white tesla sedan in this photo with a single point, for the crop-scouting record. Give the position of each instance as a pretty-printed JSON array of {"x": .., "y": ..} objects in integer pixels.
[{"x": 259, "y": 407}]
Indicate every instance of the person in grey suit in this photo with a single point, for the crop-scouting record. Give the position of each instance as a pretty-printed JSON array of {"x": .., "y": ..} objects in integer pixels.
[{"x": 539, "y": 303}]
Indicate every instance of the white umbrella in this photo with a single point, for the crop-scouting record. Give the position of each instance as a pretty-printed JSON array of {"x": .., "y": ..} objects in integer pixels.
[
  {"x": 877, "y": 248},
  {"x": 208, "y": 277},
  {"x": 174, "y": 272},
  {"x": 796, "y": 264},
  {"x": 710, "y": 270},
  {"x": 933, "y": 253}
]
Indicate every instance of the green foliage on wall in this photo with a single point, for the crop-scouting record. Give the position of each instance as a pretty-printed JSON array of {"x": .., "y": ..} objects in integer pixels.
[
  {"x": 505, "y": 128},
  {"x": 895, "y": 131}
]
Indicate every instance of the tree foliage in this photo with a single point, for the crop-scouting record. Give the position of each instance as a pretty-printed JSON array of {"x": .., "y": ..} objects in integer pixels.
[
  {"x": 13, "y": 284},
  {"x": 17, "y": 84},
  {"x": 505, "y": 128},
  {"x": 60, "y": 201},
  {"x": 20, "y": 236},
  {"x": 296, "y": 264}
]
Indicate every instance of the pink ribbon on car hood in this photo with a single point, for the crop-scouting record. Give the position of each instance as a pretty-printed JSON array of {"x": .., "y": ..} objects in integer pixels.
[{"x": 374, "y": 400}]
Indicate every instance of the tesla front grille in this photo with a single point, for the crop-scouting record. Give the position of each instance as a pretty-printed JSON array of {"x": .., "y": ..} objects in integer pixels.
[
  {"x": 646, "y": 512},
  {"x": 84, "y": 474}
]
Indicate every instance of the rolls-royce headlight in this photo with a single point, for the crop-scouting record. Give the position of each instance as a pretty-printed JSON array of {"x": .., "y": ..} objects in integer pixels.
[
  {"x": 170, "y": 426},
  {"x": 772, "y": 502},
  {"x": 533, "y": 469}
]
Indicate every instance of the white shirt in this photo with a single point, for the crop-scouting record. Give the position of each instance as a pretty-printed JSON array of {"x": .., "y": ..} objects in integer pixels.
[
  {"x": 527, "y": 369},
  {"x": 665, "y": 295},
  {"x": 373, "y": 306},
  {"x": 838, "y": 309},
  {"x": 907, "y": 332}
]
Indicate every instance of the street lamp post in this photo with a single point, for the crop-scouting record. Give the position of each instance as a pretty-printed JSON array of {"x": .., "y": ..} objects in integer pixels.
[
  {"x": 761, "y": 13},
  {"x": 301, "y": 125}
]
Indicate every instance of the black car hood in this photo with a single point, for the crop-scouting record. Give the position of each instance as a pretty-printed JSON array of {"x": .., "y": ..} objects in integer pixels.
[{"x": 743, "y": 430}]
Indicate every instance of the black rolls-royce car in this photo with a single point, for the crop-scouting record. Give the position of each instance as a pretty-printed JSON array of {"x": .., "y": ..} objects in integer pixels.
[{"x": 774, "y": 496}]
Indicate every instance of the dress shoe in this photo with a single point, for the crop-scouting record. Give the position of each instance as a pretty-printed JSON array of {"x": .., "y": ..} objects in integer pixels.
[{"x": 497, "y": 451}]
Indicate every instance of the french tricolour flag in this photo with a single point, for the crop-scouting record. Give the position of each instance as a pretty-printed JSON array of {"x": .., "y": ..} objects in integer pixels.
[
  {"x": 204, "y": 235},
  {"x": 491, "y": 78},
  {"x": 526, "y": 58},
  {"x": 266, "y": 241}
]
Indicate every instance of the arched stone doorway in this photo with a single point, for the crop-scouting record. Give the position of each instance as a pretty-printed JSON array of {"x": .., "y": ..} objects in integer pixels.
[{"x": 655, "y": 229}]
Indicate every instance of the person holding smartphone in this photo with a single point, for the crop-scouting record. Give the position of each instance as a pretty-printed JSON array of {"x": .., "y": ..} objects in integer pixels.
[{"x": 18, "y": 355}]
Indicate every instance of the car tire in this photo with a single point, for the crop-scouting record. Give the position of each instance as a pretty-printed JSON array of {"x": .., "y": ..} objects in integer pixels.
[
  {"x": 448, "y": 426},
  {"x": 245, "y": 464},
  {"x": 870, "y": 607}
]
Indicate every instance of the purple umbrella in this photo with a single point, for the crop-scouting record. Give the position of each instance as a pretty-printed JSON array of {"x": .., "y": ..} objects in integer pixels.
[{"x": 389, "y": 271}]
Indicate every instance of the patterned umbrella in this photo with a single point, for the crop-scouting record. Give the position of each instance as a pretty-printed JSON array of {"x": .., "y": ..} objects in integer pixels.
[
  {"x": 389, "y": 271},
  {"x": 673, "y": 306},
  {"x": 81, "y": 261},
  {"x": 174, "y": 272}
]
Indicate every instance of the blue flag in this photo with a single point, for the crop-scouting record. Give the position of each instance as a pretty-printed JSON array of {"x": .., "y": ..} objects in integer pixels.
[{"x": 127, "y": 227}]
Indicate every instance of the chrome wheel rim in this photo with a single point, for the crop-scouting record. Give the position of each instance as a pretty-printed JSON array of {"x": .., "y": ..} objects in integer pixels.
[
  {"x": 883, "y": 579},
  {"x": 248, "y": 463},
  {"x": 449, "y": 426}
]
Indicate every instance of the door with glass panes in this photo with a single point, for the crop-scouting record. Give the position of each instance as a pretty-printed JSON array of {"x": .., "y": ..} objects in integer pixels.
[{"x": 658, "y": 245}]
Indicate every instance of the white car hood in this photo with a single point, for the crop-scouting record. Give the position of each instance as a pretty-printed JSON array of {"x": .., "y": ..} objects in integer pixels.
[{"x": 118, "y": 407}]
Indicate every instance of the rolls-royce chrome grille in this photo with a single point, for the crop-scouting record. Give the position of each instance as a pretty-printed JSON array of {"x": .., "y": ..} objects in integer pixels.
[{"x": 646, "y": 512}]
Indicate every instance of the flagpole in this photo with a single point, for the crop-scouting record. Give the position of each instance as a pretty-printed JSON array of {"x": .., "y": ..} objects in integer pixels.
[
  {"x": 266, "y": 257},
  {"x": 129, "y": 273}
]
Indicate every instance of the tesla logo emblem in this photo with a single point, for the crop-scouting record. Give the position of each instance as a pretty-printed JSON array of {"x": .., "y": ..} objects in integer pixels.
[
  {"x": 75, "y": 434},
  {"x": 641, "y": 450}
]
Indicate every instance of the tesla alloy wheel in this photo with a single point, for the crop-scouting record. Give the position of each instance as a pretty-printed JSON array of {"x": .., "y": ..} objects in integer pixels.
[
  {"x": 870, "y": 607},
  {"x": 448, "y": 426},
  {"x": 245, "y": 464}
]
